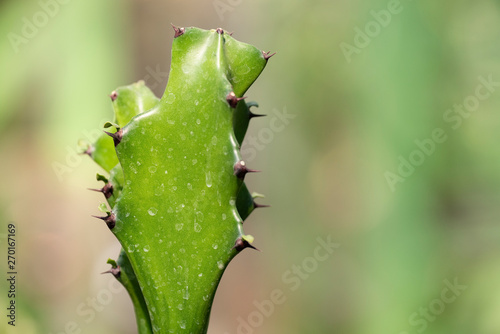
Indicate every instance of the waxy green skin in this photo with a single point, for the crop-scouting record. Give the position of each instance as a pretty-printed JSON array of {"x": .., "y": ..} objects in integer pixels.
[
  {"x": 123, "y": 272},
  {"x": 178, "y": 206},
  {"x": 176, "y": 217},
  {"x": 128, "y": 101}
]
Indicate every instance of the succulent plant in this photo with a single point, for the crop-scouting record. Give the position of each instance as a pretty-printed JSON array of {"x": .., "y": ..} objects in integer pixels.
[{"x": 175, "y": 179}]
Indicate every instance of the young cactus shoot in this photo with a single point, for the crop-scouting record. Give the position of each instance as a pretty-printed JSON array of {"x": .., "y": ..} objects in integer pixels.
[{"x": 175, "y": 185}]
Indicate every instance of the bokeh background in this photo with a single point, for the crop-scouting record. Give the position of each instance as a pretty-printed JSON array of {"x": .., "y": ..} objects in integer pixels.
[{"x": 353, "y": 116}]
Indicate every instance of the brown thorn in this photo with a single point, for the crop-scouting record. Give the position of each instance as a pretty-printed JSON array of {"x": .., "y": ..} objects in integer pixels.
[
  {"x": 267, "y": 55},
  {"x": 113, "y": 95},
  {"x": 256, "y": 205},
  {"x": 233, "y": 100},
  {"x": 220, "y": 31},
  {"x": 107, "y": 190},
  {"x": 114, "y": 271},
  {"x": 117, "y": 136},
  {"x": 110, "y": 220},
  {"x": 178, "y": 31},
  {"x": 88, "y": 151},
  {"x": 240, "y": 244},
  {"x": 252, "y": 115},
  {"x": 240, "y": 169}
]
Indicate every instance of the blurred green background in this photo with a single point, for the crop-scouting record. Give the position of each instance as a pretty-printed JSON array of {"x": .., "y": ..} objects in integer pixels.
[{"x": 365, "y": 84}]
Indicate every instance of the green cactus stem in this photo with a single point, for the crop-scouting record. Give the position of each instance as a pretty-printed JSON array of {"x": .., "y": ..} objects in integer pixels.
[
  {"x": 175, "y": 191},
  {"x": 123, "y": 272}
]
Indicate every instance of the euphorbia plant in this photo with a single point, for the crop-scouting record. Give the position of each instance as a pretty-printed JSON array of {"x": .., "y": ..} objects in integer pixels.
[{"x": 175, "y": 191}]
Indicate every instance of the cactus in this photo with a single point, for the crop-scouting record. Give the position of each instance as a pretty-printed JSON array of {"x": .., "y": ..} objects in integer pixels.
[{"x": 175, "y": 188}]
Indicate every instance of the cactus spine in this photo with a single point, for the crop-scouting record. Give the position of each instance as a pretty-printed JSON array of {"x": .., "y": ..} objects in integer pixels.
[{"x": 175, "y": 189}]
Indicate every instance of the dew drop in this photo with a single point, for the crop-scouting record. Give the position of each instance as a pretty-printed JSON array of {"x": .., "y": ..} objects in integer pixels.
[
  {"x": 132, "y": 168},
  {"x": 146, "y": 249},
  {"x": 179, "y": 226},
  {"x": 220, "y": 265},
  {"x": 152, "y": 169},
  {"x": 170, "y": 98},
  {"x": 152, "y": 211},
  {"x": 208, "y": 178},
  {"x": 159, "y": 189},
  {"x": 199, "y": 216},
  {"x": 197, "y": 227}
]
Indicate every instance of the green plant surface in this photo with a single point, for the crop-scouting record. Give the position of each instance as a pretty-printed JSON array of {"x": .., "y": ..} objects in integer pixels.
[
  {"x": 177, "y": 194},
  {"x": 123, "y": 272},
  {"x": 128, "y": 101}
]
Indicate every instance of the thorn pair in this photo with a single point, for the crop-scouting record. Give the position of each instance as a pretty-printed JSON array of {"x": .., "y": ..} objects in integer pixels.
[
  {"x": 110, "y": 220},
  {"x": 88, "y": 151},
  {"x": 240, "y": 170},
  {"x": 178, "y": 31},
  {"x": 114, "y": 271},
  {"x": 242, "y": 243},
  {"x": 107, "y": 190},
  {"x": 268, "y": 54},
  {"x": 113, "y": 95},
  {"x": 233, "y": 100},
  {"x": 117, "y": 136}
]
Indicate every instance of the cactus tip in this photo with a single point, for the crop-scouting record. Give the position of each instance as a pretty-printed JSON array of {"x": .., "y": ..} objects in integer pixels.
[
  {"x": 240, "y": 169},
  {"x": 178, "y": 31},
  {"x": 117, "y": 136},
  {"x": 233, "y": 100}
]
